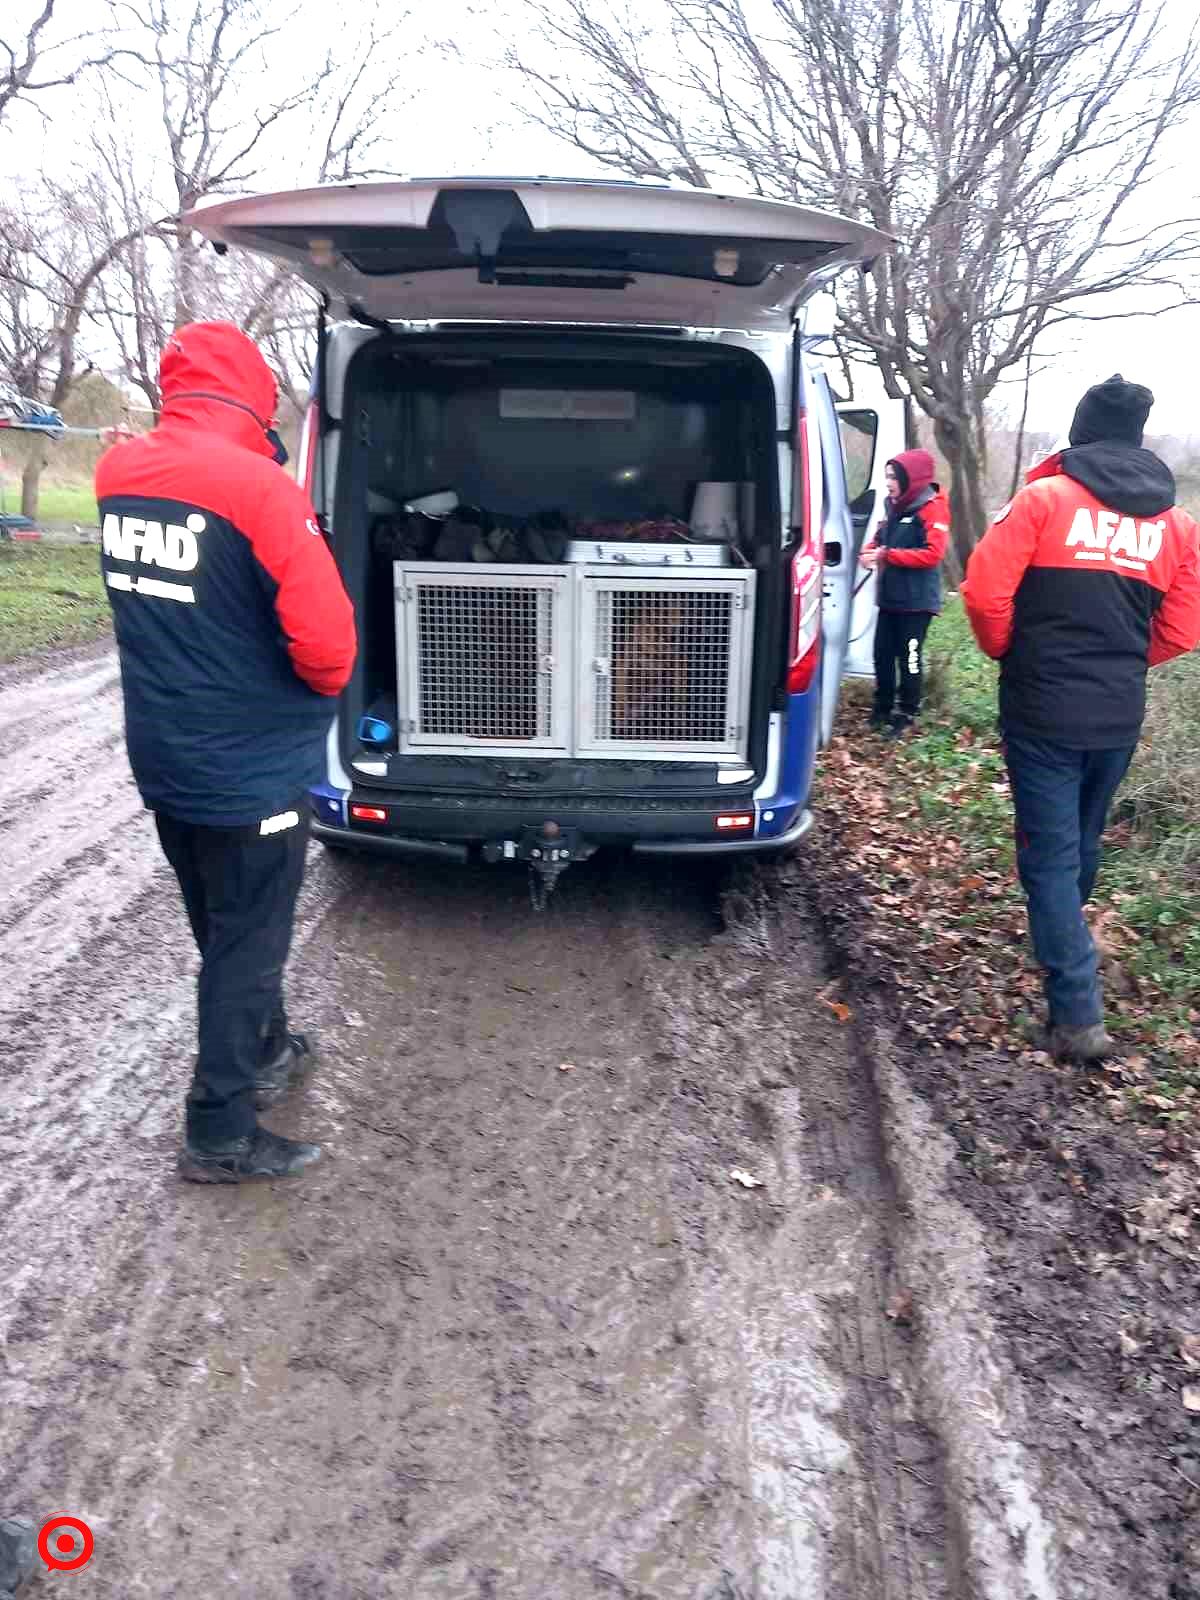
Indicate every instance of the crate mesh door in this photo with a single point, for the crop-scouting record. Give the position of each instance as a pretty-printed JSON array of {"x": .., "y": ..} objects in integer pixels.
[
  {"x": 669, "y": 666},
  {"x": 480, "y": 659}
]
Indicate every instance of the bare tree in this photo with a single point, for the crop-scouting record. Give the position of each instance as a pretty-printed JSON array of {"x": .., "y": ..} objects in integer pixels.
[
  {"x": 50, "y": 266},
  {"x": 104, "y": 253},
  {"x": 35, "y": 58},
  {"x": 208, "y": 60},
  {"x": 1012, "y": 147}
]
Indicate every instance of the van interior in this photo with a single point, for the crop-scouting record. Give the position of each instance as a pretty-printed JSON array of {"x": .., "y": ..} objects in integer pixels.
[{"x": 499, "y": 450}]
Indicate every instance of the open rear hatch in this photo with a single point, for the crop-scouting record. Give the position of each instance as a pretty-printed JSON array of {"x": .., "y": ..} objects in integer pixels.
[
  {"x": 548, "y": 250},
  {"x": 544, "y": 296}
]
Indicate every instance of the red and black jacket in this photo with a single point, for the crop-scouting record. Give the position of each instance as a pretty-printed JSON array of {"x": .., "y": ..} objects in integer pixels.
[
  {"x": 911, "y": 540},
  {"x": 233, "y": 627},
  {"x": 912, "y": 543},
  {"x": 1089, "y": 576}
]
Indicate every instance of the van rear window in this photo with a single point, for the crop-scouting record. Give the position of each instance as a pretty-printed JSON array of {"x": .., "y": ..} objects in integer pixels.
[{"x": 568, "y": 405}]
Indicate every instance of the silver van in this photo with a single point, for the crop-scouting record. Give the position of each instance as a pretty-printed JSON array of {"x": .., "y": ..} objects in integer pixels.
[{"x": 582, "y": 469}]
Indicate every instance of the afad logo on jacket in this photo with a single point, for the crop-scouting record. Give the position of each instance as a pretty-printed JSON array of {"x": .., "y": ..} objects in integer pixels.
[
  {"x": 167, "y": 545},
  {"x": 1110, "y": 537}
]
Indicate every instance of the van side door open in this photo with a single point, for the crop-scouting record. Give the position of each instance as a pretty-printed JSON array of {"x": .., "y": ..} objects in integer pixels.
[{"x": 872, "y": 433}]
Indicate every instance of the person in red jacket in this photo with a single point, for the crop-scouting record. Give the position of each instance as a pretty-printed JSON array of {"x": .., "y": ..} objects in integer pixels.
[
  {"x": 235, "y": 635},
  {"x": 906, "y": 552},
  {"x": 1087, "y": 578}
]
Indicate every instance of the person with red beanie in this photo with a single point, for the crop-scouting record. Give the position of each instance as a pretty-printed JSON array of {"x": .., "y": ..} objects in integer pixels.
[
  {"x": 235, "y": 636},
  {"x": 906, "y": 552}
]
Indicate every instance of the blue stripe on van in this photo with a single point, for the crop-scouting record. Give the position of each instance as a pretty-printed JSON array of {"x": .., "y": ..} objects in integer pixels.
[
  {"x": 799, "y": 751},
  {"x": 328, "y": 804}
]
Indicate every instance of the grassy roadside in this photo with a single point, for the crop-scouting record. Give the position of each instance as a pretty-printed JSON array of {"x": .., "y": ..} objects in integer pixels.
[
  {"x": 927, "y": 828},
  {"x": 65, "y": 504},
  {"x": 60, "y": 505},
  {"x": 49, "y": 595}
]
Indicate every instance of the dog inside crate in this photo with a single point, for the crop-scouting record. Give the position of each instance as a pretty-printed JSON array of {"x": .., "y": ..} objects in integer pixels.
[{"x": 668, "y": 655}]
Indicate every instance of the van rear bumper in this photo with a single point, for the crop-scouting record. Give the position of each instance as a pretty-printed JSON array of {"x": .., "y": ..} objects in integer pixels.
[
  {"x": 659, "y": 840},
  {"x": 388, "y": 844},
  {"x": 724, "y": 847}
]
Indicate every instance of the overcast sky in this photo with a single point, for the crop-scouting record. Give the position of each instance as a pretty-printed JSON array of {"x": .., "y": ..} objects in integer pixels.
[{"x": 465, "y": 118}]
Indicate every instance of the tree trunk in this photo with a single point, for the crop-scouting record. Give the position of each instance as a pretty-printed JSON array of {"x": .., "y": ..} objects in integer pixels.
[
  {"x": 1019, "y": 443},
  {"x": 31, "y": 479},
  {"x": 963, "y": 445},
  {"x": 186, "y": 272}
]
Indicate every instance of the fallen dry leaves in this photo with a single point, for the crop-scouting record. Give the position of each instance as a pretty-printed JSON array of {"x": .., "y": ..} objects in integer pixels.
[
  {"x": 926, "y": 891},
  {"x": 944, "y": 933}
]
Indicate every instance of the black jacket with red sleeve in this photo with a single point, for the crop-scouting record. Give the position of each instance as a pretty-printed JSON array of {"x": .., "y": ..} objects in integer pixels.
[
  {"x": 912, "y": 546},
  {"x": 1089, "y": 576},
  {"x": 233, "y": 627}
]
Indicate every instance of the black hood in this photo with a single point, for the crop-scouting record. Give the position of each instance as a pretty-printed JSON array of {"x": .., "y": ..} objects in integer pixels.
[{"x": 1123, "y": 477}]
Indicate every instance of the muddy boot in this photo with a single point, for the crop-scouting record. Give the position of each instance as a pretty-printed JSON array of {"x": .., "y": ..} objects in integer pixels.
[
  {"x": 276, "y": 1076},
  {"x": 1088, "y": 1043},
  {"x": 260, "y": 1156}
]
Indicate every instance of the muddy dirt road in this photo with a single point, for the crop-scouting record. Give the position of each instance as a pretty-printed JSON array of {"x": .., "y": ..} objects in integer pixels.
[{"x": 520, "y": 1335}]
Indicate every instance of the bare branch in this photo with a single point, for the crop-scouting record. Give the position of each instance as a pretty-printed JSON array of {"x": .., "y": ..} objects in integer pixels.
[
  {"x": 1014, "y": 148},
  {"x": 33, "y": 60}
]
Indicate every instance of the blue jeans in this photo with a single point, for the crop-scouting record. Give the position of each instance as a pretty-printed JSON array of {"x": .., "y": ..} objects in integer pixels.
[{"x": 1061, "y": 799}]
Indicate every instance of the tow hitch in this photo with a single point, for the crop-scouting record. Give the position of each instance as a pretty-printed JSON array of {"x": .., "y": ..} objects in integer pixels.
[{"x": 548, "y": 849}]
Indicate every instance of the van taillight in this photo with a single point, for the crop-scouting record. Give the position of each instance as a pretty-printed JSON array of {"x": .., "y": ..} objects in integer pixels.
[
  {"x": 309, "y": 438},
  {"x": 368, "y": 814},
  {"x": 802, "y": 672},
  {"x": 804, "y": 653},
  {"x": 804, "y": 644}
]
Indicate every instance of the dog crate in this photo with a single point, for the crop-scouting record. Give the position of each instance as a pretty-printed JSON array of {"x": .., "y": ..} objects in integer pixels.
[
  {"x": 483, "y": 658},
  {"x": 573, "y": 660},
  {"x": 664, "y": 665}
]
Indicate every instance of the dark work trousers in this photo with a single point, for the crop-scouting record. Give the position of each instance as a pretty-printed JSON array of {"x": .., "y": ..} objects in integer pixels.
[
  {"x": 239, "y": 886},
  {"x": 900, "y": 645},
  {"x": 1061, "y": 799}
]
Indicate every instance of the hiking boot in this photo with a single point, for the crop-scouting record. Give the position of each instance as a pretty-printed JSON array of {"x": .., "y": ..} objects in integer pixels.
[
  {"x": 275, "y": 1077},
  {"x": 900, "y": 726},
  {"x": 1090, "y": 1042},
  {"x": 260, "y": 1156},
  {"x": 881, "y": 721}
]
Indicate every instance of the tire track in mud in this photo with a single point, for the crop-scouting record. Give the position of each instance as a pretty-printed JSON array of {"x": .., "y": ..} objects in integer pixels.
[
  {"x": 519, "y": 1334},
  {"x": 53, "y": 687},
  {"x": 828, "y": 1224},
  {"x": 96, "y": 1006},
  {"x": 74, "y": 847}
]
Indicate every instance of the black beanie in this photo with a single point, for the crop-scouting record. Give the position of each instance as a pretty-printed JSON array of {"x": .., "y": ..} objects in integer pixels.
[{"x": 1113, "y": 410}]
